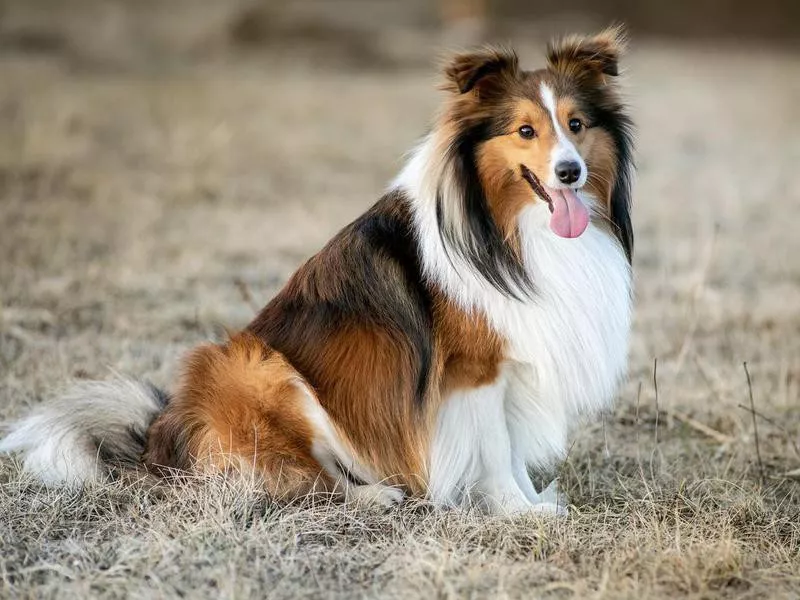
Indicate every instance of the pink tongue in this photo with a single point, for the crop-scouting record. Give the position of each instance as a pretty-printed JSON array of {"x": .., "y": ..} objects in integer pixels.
[{"x": 570, "y": 217}]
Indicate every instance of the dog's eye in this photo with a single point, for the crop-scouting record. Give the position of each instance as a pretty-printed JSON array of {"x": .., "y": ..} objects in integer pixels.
[
  {"x": 575, "y": 125},
  {"x": 526, "y": 132}
]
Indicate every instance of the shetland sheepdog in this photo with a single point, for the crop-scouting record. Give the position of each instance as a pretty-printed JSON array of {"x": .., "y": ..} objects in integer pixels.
[{"x": 442, "y": 345}]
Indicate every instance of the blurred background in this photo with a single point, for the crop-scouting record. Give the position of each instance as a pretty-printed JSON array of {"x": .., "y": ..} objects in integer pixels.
[{"x": 361, "y": 32}]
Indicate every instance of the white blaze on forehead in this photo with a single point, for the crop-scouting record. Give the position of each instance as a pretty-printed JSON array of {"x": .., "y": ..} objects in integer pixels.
[
  {"x": 549, "y": 101},
  {"x": 563, "y": 149}
]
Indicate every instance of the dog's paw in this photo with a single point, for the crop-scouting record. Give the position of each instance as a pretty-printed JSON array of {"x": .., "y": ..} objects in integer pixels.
[
  {"x": 550, "y": 509},
  {"x": 375, "y": 494},
  {"x": 554, "y": 499}
]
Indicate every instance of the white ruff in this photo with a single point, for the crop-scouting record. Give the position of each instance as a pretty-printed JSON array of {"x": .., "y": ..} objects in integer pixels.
[{"x": 567, "y": 346}]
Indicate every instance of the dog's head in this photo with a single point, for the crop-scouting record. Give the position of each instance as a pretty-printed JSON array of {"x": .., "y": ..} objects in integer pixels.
[{"x": 542, "y": 136}]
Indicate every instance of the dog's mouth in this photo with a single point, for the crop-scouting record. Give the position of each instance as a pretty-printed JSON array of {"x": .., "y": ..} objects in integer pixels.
[{"x": 569, "y": 215}]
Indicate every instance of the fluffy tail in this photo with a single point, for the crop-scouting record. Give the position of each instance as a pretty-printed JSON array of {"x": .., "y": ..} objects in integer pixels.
[{"x": 94, "y": 428}]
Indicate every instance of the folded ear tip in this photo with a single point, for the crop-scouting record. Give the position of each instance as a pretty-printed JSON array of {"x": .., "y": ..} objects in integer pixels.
[
  {"x": 598, "y": 53},
  {"x": 464, "y": 70}
]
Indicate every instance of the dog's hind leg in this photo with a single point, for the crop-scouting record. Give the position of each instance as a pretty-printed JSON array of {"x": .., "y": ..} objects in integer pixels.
[
  {"x": 242, "y": 406},
  {"x": 354, "y": 481}
]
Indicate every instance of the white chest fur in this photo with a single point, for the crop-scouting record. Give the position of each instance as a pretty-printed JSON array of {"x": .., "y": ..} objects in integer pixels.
[
  {"x": 574, "y": 332},
  {"x": 567, "y": 351},
  {"x": 569, "y": 341},
  {"x": 568, "y": 348}
]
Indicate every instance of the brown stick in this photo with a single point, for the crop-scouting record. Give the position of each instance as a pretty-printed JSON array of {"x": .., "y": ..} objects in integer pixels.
[
  {"x": 536, "y": 185},
  {"x": 755, "y": 422},
  {"x": 655, "y": 386},
  {"x": 774, "y": 423},
  {"x": 701, "y": 427}
]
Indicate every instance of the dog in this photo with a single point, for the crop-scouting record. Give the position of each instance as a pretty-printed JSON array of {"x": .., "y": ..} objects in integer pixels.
[{"x": 440, "y": 346}]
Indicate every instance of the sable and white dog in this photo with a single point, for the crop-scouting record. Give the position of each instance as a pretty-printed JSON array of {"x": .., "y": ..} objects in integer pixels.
[{"x": 439, "y": 346}]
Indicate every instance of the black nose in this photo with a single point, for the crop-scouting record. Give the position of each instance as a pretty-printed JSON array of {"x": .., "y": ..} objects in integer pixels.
[{"x": 568, "y": 171}]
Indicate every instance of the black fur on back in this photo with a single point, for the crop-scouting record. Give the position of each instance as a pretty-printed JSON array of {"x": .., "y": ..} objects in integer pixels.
[{"x": 369, "y": 275}]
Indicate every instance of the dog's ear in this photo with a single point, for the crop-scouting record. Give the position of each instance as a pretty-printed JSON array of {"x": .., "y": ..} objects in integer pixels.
[
  {"x": 483, "y": 70},
  {"x": 588, "y": 58}
]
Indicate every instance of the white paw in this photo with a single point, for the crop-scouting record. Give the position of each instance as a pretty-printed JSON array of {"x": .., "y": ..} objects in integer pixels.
[
  {"x": 553, "y": 495},
  {"x": 550, "y": 509},
  {"x": 376, "y": 494},
  {"x": 549, "y": 502},
  {"x": 507, "y": 506},
  {"x": 515, "y": 508},
  {"x": 504, "y": 498}
]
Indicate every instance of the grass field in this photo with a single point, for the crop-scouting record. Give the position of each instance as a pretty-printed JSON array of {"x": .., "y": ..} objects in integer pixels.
[{"x": 144, "y": 210}]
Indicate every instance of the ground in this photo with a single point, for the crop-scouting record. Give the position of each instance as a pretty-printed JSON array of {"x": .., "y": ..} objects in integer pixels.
[{"x": 144, "y": 209}]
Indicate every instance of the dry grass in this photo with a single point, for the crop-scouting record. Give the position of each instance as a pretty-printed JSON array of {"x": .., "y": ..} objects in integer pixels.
[{"x": 136, "y": 206}]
